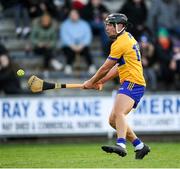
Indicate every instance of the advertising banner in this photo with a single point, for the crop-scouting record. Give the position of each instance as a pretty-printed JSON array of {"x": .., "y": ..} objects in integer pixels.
[
  {"x": 54, "y": 115},
  {"x": 156, "y": 113},
  {"x": 84, "y": 115}
]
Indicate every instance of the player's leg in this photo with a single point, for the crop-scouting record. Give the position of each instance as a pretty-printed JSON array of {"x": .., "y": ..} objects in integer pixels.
[
  {"x": 140, "y": 148},
  {"x": 123, "y": 105},
  {"x": 130, "y": 135}
]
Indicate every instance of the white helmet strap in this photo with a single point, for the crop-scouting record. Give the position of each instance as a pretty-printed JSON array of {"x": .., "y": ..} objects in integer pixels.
[{"x": 117, "y": 31}]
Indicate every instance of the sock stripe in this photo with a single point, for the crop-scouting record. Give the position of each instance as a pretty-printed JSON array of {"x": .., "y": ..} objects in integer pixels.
[
  {"x": 136, "y": 142},
  {"x": 121, "y": 140}
]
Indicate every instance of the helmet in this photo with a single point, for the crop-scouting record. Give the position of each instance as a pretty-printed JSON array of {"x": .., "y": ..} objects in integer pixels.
[{"x": 116, "y": 18}]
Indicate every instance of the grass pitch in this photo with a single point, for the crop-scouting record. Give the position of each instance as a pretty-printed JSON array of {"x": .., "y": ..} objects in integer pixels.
[{"x": 162, "y": 155}]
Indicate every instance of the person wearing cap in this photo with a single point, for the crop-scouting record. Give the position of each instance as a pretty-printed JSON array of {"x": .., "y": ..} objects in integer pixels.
[{"x": 124, "y": 61}]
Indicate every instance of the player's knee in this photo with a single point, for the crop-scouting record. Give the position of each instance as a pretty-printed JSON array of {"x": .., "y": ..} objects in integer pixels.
[
  {"x": 119, "y": 114},
  {"x": 112, "y": 122}
]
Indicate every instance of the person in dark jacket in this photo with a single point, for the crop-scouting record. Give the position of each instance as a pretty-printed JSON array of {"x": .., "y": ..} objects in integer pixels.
[
  {"x": 136, "y": 11},
  {"x": 95, "y": 13},
  {"x": 10, "y": 84}
]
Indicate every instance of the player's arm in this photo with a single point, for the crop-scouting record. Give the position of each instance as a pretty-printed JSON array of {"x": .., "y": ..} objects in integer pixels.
[
  {"x": 110, "y": 75},
  {"x": 101, "y": 73}
]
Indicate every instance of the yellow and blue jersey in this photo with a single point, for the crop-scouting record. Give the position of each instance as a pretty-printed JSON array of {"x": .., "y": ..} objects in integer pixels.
[{"x": 125, "y": 50}]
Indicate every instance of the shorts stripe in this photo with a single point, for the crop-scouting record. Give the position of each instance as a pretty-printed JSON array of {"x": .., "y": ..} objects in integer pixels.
[{"x": 130, "y": 86}]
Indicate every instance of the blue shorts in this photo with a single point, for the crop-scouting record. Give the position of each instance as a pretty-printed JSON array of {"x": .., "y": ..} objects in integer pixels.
[{"x": 132, "y": 90}]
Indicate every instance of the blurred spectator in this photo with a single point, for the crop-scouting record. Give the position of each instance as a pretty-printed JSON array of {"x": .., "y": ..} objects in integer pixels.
[
  {"x": 95, "y": 13},
  {"x": 164, "y": 54},
  {"x": 22, "y": 19},
  {"x": 61, "y": 9},
  {"x": 148, "y": 60},
  {"x": 76, "y": 36},
  {"x": 176, "y": 57},
  {"x": 9, "y": 82},
  {"x": 79, "y": 4},
  {"x": 34, "y": 7},
  {"x": 18, "y": 9},
  {"x": 37, "y": 8},
  {"x": 165, "y": 14},
  {"x": 175, "y": 62},
  {"x": 136, "y": 11},
  {"x": 43, "y": 39},
  {"x": 58, "y": 9}
]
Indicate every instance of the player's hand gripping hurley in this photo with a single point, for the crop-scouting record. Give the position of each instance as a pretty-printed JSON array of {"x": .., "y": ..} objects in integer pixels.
[{"x": 38, "y": 85}]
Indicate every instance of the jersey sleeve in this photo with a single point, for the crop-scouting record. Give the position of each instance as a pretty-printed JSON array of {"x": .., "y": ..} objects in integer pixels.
[{"x": 116, "y": 52}]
